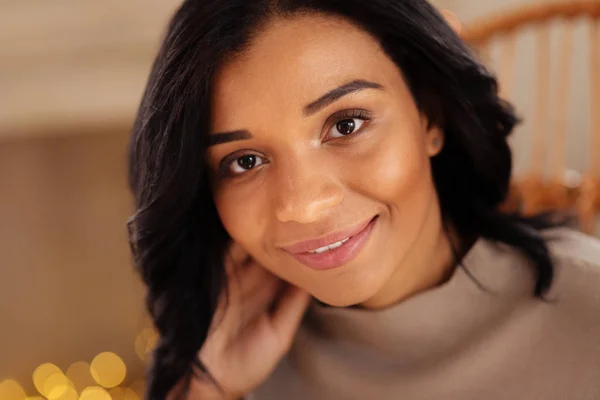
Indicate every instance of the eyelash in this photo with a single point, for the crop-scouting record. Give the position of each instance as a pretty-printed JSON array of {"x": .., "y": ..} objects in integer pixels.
[
  {"x": 355, "y": 113},
  {"x": 360, "y": 114}
]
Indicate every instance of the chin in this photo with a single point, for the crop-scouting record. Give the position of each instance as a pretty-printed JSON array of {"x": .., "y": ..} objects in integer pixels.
[
  {"x": 357, "y": 286},
  {"x": 346, "y": 298},
  {"x": 337, "y": 302}
]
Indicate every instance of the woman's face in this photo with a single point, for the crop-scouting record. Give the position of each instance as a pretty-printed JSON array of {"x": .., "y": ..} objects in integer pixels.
[{"x": 321, "y": 163}]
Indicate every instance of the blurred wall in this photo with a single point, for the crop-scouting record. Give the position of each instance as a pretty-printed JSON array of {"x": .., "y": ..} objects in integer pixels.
[
  {"x": 67, "y": 289},
  {"x": 71, "y": 76},
  {"x": 525, "y": 79},
  {"x": 69, "y": 63}
]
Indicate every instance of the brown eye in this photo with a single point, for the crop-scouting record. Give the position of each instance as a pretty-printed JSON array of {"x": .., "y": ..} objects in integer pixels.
[
  {"x": 346, "y": 126},
  {"x": 247, "y": 162},
  {"x": 244, "y": 163},
  {"x": 347, "y": 123}
]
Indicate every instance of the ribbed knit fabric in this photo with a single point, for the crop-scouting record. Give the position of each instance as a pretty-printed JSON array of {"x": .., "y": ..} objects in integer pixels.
[{"x": 458, "y": 341}]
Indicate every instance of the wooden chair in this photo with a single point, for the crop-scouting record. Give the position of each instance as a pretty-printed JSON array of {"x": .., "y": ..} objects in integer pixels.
[{"x": 535, "y": 191}]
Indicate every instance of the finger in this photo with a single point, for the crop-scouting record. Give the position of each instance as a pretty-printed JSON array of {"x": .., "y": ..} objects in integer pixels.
[
  {"x": 248, "y": 287},
  {"x": 229, "y": 305},
  {"x": 253, "y": 278},
  {"x": 235, "y": 257},
  {"x": 237, "y": 261},
  {"x": 288, "y": 314},
  {"x": 260, "y": 300}
]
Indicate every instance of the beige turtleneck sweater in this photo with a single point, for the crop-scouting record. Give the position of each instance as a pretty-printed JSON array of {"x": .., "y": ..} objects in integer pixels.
[{"x": 458, "y": 341}]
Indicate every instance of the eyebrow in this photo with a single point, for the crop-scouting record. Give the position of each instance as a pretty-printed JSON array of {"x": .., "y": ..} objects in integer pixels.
[
  {"x": 337, "y": 93},
  {"x": 310, "y": 109},
  {"x": 224, "y": 137}
]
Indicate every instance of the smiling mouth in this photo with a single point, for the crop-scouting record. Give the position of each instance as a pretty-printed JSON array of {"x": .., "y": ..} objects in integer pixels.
[
  {"x": 329, "y": 241},
  {"x": 329, "y": 247},
  {"x": 316, "y": 254}
]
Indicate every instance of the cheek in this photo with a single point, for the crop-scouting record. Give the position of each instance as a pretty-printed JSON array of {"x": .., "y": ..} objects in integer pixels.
[
  {"x": 396, "y": 170},
  {"x": 242, "y": 217},
  {"x": 246, "y": 216}
]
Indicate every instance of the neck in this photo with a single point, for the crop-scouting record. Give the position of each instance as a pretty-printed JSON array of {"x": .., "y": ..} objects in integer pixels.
[{"x": 430, "y": 263}]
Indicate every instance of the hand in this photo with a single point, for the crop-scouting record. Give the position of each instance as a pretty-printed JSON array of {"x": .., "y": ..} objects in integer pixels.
[{"x": 252, "y": 329}]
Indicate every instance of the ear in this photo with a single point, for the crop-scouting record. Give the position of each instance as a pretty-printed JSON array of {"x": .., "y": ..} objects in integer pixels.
[
  {"x": 434, "y": 141},
  {"x": 452, "y": 20}
]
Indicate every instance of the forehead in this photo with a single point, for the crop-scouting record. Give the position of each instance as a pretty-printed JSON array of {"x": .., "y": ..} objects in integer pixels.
[{"x": 293, "y": 61}]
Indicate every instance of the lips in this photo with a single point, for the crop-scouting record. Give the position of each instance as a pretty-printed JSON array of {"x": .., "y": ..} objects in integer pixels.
[
  {"x": 326, "y": 240},
  {"x": 334, "y": 250}
]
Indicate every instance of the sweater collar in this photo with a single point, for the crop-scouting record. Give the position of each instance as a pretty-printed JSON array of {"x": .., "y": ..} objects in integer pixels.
[{"x": 481, "y": 293}]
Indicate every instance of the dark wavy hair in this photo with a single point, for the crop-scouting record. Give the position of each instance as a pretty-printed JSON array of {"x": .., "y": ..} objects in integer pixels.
[{"x": 176, "y": 236}]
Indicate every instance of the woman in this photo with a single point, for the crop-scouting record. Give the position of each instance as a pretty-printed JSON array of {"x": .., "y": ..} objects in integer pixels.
[{"x": 353, "y": 152}]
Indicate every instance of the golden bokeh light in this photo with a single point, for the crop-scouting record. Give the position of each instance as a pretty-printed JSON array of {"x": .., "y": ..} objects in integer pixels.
[
  {"x": 131, "y": 395},
  {"x": 69, "y": 393},
  {"x": 11, "y": 390},
  {"x": 94, "y": 393},
  {"x": 108, "y": 369},
  {"x": 123, "y": 394},
  {"x": 117, "y": 393},
  {"x": 145, "y": 342},
  {"x": 42, "y": 374},
  {"x": 138, "y": 387},
  {"x": 98, "y": 380},
  {"x": 79, "y": 373},
  {"x": 55, "y": 386}
]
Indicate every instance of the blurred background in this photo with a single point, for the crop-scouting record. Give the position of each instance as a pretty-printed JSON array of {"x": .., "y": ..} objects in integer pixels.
[{"x": 72, "y": 319}]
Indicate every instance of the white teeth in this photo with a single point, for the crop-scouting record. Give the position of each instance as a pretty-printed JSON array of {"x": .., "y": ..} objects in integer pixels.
[{"x": 330, "y": 247}]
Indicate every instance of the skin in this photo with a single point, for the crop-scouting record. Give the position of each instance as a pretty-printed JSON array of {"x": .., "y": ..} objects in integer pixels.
[
  {"x": 314, "y": 181},
  {"x": 311, "y": 180}
]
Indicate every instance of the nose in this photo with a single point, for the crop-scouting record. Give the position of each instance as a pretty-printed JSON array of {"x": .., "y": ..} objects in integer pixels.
[{"x": 305, "y": 193}]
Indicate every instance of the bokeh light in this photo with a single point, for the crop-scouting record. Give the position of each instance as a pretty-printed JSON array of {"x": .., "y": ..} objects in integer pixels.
[
  {"x": 108, "y": 369},
  {"x": 123, "y": 394},
  {"x": 79, "y": 373},
  {"x": 98, "y": 380},
  {"x": 41, "y": 376},
  {"x": 55, "y": 386},
  {"x": 138, "y": 387},
  {"x": 68, "y": 394},
  {"x": 117, "y": 393},
  {"x": 94, "y": 393},
  {"x": 11, "y": 390},
  {"x": 145, "y": 342}
]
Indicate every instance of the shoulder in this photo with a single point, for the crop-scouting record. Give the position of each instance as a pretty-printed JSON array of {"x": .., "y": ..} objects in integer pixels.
[
  {"x": 572, "y": 248},
  {"x": 576, "y": 258},
  {"x": 576, "y": 285}
]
